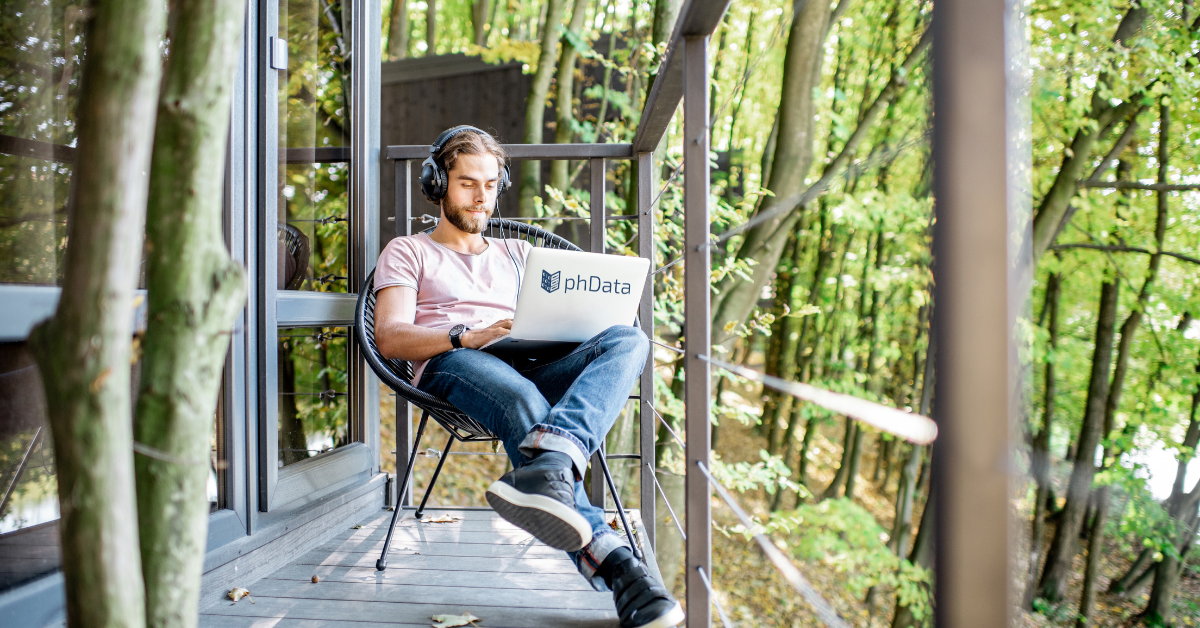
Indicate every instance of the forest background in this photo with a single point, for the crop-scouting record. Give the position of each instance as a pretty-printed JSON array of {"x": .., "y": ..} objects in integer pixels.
[{"x": 821, "y": 117}]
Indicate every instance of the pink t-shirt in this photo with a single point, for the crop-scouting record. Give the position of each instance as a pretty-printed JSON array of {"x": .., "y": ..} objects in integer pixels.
[{"x": 453, "y": 287}]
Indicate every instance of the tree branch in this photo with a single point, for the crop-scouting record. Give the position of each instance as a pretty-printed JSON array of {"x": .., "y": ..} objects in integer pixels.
[
  {"x": 1134, "y": 185},
  {"x": 1123, "y": 249}
]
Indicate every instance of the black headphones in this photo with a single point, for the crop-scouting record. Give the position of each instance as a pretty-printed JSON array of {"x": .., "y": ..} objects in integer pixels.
[{"x": 434, "y": 178}]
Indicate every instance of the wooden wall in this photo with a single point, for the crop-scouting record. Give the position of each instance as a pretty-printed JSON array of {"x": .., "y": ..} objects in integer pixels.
[{"x": 423, "y": 97}]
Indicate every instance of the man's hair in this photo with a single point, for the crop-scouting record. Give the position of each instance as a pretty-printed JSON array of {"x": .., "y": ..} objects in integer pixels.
[{"x": 470, "y": 143}]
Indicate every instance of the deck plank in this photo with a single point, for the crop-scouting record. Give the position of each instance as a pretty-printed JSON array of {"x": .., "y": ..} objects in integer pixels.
[
  {"x": 480, "y": 564},
  {"x": 399, "y": 574},
  {"x": 468, "y": 593},
  {"x": 408, "y": 613}
]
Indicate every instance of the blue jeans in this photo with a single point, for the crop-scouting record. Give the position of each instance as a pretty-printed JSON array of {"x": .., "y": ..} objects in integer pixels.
[{"x": 566, "y": 405}]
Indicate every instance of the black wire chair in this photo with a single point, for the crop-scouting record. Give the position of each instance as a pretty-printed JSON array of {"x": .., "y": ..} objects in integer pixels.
[{"x": 397, "y": 374}]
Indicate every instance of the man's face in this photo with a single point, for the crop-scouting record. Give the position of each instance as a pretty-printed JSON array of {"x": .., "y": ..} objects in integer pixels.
[{"x": 471, "y": 194}]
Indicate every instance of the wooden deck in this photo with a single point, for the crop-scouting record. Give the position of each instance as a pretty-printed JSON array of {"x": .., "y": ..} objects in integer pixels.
[{"x": 480, "y": 564}]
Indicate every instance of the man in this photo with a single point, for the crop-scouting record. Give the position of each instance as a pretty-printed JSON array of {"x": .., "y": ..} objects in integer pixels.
[{"x": 443, "y": 295}]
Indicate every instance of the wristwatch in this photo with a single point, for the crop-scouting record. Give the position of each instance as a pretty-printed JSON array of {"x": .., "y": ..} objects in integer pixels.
[{"x": 456, "y": 333}]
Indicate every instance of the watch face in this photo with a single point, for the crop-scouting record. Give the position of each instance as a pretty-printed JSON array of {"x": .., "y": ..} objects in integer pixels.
[{"x": 458, "y": 329}]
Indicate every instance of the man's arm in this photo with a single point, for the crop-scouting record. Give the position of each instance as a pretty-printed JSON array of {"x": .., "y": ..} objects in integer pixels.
[{"x": 399, "y": 339}]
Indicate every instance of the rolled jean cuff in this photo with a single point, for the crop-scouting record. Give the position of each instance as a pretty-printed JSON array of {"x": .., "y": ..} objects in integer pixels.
[
  {"x": 549, "y": 438},
  {"x": 589, "y": 558}
]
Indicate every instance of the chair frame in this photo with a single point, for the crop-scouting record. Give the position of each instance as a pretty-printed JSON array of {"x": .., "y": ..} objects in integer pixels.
[{"x": 397, "y": 374}]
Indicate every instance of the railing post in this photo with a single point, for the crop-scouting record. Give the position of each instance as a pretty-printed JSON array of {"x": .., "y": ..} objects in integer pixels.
[
  {"x": 974, "y": 299},
  {"x": 647, "y": 425},
  {"x": 696, "y": 330},
  {"x": 404, "y": 183},
  {"x": 597, "y": 224}
]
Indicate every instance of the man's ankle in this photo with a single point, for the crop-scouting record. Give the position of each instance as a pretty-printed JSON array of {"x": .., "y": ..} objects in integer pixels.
[
  {"x": 548, "y": 460},
  {"x": 608, "y": 566}
]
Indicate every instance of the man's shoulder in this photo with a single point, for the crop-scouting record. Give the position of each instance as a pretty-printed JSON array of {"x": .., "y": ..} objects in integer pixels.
[{"x": 408, "y": 244}]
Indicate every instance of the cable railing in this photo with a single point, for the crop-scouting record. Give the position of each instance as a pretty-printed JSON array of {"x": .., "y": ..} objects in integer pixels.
[{"x": 912, "y": 427}]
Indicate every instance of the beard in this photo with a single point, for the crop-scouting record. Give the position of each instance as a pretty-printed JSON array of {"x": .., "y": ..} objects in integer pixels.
[{"x": 460, "y": 216}]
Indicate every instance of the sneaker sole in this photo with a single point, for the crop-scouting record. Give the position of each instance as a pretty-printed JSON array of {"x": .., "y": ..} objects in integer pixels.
[
  {"x": 669, "y": 619},
  {"x": 554, "y": 523}
]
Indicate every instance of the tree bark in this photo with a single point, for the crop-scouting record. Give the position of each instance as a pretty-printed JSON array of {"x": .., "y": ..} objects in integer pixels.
[
  {"x": 431, "y": 27},
  {"x": 922, "y": 556},
  {"x": 398, "y": 30},
  {"x": 84, "y": 350},
  {"x": 1062, "y": 549},
  {"x": 195, "y": 292},
  {"x": 834, "y": 489},
  {"x": 1095, "y": 554},
  {"x": 1053, "y": 207},
  {"x": 790, "y": 161},
  {"x": 564, "y": 99},
  {"x": 1130, "y": 327},
  {"x": 535, "y": 107},
  {"x": 479, "y": 20},
  {"x": 1041, "y": 460}
]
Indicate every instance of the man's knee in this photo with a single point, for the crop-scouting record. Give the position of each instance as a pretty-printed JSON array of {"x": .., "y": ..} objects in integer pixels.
[{"x": 628, "y": 338}]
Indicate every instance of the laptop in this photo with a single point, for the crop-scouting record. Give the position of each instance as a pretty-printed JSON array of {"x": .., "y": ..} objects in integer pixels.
[{"x": 566, "y": 297}]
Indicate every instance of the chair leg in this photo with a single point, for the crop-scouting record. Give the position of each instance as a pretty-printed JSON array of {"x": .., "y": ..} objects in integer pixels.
[
  {"x": 381, "y": 564},
  {"x": 436, "y": 473},
  {"x": 633, "y": 544}
]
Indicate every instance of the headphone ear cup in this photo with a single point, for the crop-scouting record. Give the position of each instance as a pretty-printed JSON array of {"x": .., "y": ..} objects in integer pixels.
[
  {"x": 443, "y": 182},
  {"x": 429, "y": 180}
]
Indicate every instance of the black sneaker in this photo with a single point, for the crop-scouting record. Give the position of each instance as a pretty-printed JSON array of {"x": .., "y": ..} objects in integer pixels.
[
  {"x": 540, "y": 499},
  {"x": 642, "y": 601}
]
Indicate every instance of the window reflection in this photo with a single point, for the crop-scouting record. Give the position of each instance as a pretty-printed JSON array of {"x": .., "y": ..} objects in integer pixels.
[
  {"x": 41, "y": 50},
  {"x": 313, "y": 382},
  {"x": 314, "y": 139},
  {"x": 29, "y": 498}
]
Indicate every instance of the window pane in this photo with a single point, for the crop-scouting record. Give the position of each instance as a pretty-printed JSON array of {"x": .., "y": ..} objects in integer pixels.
[
  {"x": 313, "y": 382},
  {"x": 41, "y": 50},
  {"x": 28, "y": 484},
  {"x": 314, "y": 141}
]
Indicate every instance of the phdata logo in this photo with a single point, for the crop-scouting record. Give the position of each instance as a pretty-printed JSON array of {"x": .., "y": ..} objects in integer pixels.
[{"x": 550, "y": 282}]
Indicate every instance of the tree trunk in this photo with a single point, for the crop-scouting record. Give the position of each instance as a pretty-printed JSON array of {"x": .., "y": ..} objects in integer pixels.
[
  {"x": 735, "y": 297},
  {"x": 1095, "y": 555},
  {"x": 1053, "y": 207},
  {"x": 922, "y": 556},
  {"x": 195, "y": 292},
  {"x": 535, "y": 107},
  {"x": 790, "y": 161},
  {"x": 479, "y": 20},
  {"x": 855, "y": 461},
  {"x": 1166, "y": 579},
  {"x": 431, "y": 27},
  {"x": 84, "y": 350},
  {"x": 1130, "y": 327},
  {"x": 564, "y": 99},
  {"x": 839, "y": 480},
  {"x": 1041, "y": 443},
  {"x": 398, "y": 30},
  {"x": 1062, "y": 549}
]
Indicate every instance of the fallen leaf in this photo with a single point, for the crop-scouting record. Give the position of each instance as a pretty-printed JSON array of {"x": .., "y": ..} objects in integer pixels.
[
  {"x": 238, "y": 593},
  {"x": 449, "y": 621},
  {"x": 442, "y": 519},
  {"x": 358, "y": 527}
]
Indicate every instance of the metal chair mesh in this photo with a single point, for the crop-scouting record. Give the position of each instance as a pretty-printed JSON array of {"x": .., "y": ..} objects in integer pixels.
[{"x": 398, "y": 374}]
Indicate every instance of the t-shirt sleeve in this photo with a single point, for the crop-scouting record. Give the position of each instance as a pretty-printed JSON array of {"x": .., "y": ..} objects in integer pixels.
[
  {"x": 399, "y": 265},
  {"x": 523, "y": 248}
]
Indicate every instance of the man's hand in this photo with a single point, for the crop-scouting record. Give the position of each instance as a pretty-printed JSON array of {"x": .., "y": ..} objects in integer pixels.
[{"x": 476, "y": 338}]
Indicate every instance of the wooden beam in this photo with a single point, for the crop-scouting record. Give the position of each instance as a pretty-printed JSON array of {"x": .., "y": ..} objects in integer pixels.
[{"x": 696, "y": 18}]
